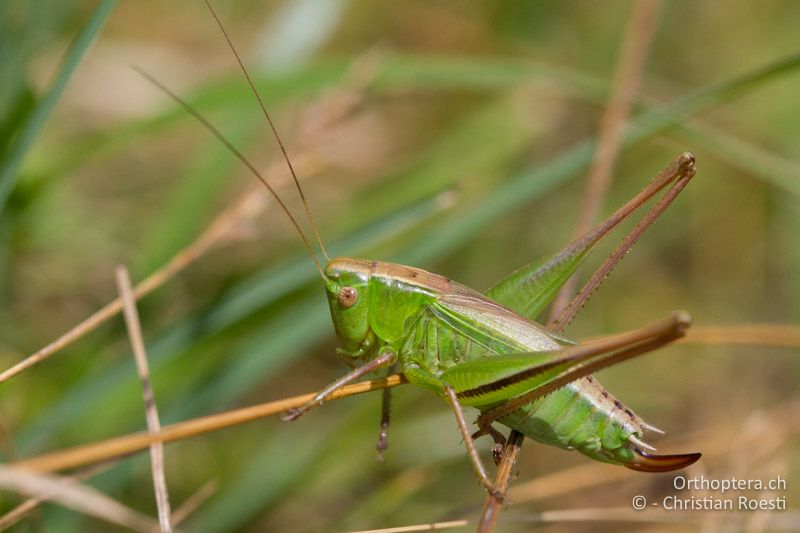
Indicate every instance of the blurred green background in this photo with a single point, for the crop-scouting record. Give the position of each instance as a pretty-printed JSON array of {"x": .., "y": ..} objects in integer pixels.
[{"x": 454, "y": 136}]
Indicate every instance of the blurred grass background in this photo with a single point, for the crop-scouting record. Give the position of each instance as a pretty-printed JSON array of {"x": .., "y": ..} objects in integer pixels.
[{"x": 453, "y": 136}]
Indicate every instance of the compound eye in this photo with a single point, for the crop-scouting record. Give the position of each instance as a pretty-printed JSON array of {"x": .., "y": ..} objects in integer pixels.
[{"x": 347, "y": 296}]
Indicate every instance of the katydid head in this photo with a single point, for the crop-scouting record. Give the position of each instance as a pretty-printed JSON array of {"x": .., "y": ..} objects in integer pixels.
[
  {"x": 346, "y": 280},
  {"x": 347, "y": 288}
]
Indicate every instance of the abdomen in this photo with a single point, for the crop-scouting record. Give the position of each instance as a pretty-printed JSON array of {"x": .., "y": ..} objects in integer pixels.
[{"x": 581, "y": 415}]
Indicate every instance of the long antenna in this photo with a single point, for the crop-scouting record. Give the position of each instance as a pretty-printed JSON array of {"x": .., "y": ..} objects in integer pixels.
[
  {"x": 229, "y": 145},
  {"x": 272, "y": 127}
]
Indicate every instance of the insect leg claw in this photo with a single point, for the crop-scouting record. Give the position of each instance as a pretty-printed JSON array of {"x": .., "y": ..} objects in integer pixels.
[
  {"x": 497, "y": 453},
  {"x": 291, "y": 414},
  {"x": 296, "y": 412},
  {"x": 383, "y": 442}
]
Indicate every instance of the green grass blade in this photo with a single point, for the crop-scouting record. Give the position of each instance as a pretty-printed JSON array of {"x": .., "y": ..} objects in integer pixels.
[{"x": 9, "y": 170}]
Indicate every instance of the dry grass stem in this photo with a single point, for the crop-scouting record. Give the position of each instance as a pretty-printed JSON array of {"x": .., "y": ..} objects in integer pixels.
[
  {"x": 787, "y": 521},
  {"x": 136, "y": 442},
  {"x": 435, "y": 526},
  {"x": 194, "y": 502},
  {"x": 151, "y": 411},
  {"x": 69, "y": 493},
  {"x": 492, "y": 506},
  {"x": 20, "y": 511},
  {"x": 226, "y": 223},
  {"x": 618, "y": 514}
]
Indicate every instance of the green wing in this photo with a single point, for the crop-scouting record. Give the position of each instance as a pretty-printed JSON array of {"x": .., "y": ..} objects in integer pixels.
[{"x": 529, "y": 290}]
